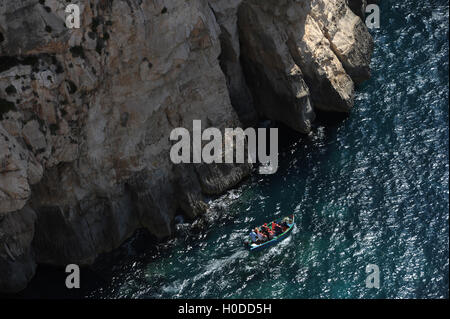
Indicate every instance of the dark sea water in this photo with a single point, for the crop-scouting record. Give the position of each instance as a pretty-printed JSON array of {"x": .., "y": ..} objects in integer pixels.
[{"x": 372, "y": 188}]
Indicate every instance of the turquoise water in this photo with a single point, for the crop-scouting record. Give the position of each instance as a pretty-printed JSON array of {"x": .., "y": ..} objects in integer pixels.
[{"x": 371, "y": 188}]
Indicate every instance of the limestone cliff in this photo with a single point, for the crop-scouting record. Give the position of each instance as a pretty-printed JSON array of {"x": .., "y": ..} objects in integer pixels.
[{"x": 85, "y": 114}]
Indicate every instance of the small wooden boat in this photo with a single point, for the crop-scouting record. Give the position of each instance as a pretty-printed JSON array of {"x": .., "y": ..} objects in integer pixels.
[{"x": 289, "y": 223}]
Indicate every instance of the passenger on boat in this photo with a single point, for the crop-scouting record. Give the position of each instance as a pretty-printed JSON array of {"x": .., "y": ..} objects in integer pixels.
[
  {"x": 254, "y": 235},
  {"x": 267, "y": 231},
  {"x": 277, "y": 229},
  {"x": 261, "y": 237},
  {"x": 284, "y": 225},
  {"x": 286, "y": 222}
]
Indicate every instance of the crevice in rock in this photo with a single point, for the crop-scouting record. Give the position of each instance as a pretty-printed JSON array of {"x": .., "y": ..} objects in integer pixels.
[
  {"x": 276, "y": 82},
  {"x": 230, "y": 63},
  {"x": 358, "y": 7}
]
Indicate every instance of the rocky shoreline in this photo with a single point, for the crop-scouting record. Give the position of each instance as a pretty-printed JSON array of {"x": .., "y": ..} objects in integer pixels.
[{"x": 85, "y": 114}]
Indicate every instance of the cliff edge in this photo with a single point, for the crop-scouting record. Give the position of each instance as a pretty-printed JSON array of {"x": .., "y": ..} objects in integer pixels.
[{"x": 85, "y": 114}]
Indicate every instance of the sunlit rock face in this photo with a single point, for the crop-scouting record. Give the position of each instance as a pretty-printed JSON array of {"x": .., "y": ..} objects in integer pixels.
[
  {"x": 309, "y": 52},
  {"x": 85, "y": 114}
]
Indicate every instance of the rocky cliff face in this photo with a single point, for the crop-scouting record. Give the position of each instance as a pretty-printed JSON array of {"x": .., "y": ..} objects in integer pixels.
[{"x": 85, "y": 114}]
